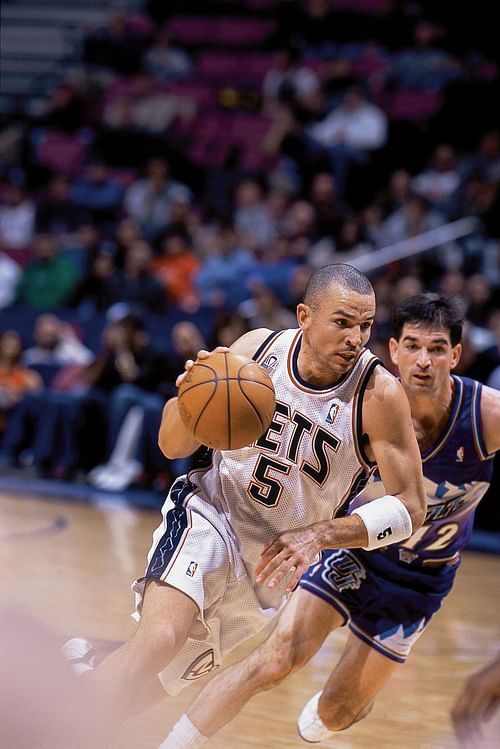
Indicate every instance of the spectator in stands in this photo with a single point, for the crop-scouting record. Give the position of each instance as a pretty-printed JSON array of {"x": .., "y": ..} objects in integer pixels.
[
  {"x": 150, "y": 200},
  {"x": 396, "y": 193},
  {"x": 221, "y": 280},
  {"x": 227, "y": 328},
  {"x": 117, "y": 47},
  {"x": 93, "y": 293},
  {"x": 175, "y": 268},
  {"x": 328, "y": 206},
  {"x": 40, "y": 422},
  {"x": 148, "y": 379},
  {"x": 98, "y": 192},
  {"x": 480, "y": 299},
  {"x": 252, "y": 218},
  {"x": 165, "y": 61},
  {"x": 65, "y": 111},
  {"x": 288, "y": 80},
  {"x": 10, "y": 273},
  {"x": 135, "y": 283},
  {"x": 15, "y": 379},
  {"x": 146, "y": 108},
  {"x": 49, "y": 277},
  {"x": 425, "y": 66},
  {"x": 440, "y": 180},
  {"x": 264, "y": 310},
  {"x": 17, "y": 217},
  {"x": 486, "y": 161},
  {"x": 413, "y": 217},
  {"x": 56, "y": 213},
  {"x": 55, "y": 342},
  {"x": 349, "y": 133}
]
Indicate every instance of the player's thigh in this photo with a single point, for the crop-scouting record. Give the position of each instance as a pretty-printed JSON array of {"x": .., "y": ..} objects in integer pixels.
[
  {"x": 167, "y": 615},
  {"x": 358, "y": 676},
  {"x": 303, "y": 626}
]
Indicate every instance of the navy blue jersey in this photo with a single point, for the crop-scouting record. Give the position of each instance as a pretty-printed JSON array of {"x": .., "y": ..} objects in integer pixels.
[{"x": 457, "y": 472}]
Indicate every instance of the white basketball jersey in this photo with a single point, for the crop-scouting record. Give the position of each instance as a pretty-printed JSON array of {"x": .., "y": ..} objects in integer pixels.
[{"x": 305, "y": 468}]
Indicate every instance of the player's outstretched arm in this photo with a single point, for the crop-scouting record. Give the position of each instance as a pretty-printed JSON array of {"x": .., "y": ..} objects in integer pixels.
[
  {"x": 393, "y": 445},
  {"x": 390, "y": 519},
  {"x": 490, "y": 417},
  {"x": 478, "y": 701}
]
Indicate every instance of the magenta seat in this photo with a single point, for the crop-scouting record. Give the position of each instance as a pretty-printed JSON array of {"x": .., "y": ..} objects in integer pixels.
[
  {"x": 61, "y": 152},
  {"x": 412, "y": 105}
]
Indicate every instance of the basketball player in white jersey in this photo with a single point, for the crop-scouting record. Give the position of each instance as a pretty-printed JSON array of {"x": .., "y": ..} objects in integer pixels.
[
  {"x": 243, "y": 526},
  {"x": 387, "y": 595}
]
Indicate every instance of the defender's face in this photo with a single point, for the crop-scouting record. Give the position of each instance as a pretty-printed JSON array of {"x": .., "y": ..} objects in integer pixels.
[
  {"x": 424, "y": 357},
  {"x": 336, "y": 330}
]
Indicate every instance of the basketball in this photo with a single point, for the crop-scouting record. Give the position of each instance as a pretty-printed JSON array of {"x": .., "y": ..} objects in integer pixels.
[{"x": 226, "y": 401}]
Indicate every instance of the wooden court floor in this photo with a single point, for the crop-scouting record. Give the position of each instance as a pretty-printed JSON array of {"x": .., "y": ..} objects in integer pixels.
[{"x": 71, "y": 565}]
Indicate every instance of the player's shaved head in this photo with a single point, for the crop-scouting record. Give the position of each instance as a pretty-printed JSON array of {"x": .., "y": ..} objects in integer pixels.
[{"x": 336, "y": 274}]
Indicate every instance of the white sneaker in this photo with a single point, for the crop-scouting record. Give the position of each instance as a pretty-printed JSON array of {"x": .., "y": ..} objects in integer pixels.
[
  {"x": 80, "y": 655},
  {"x": 310, "y": 727}
]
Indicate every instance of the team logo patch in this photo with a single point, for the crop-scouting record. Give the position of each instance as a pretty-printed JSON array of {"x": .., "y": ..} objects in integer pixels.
[
  {"x": 270, "y": 362},
  {"x": 406, "y": 556},
  {"x": 343, "y": 571},
  {"x": 200, "y": 666},
  {"x": 332, "y": 414},
  {"x": 192, "y": 567}
]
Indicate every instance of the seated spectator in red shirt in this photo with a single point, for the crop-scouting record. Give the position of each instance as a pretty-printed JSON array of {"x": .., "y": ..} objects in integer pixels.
[{"x": 15, "y": 379}]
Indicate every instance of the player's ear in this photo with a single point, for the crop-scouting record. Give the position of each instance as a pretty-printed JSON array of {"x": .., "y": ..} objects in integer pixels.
[
  {"x": 456, "y": 353},
  {"x": 394, "y": 351},
  {"x": 303, "y": 314}
]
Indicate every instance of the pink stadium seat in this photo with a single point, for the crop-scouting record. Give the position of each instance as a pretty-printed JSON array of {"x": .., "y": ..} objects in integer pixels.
[
  {"x": 370, "y": 7},
  {"x": 190, "y": 30},
  {"x": 62, "y": 153},
  {"x": 412, "y": 105},
  {"x": 238, "y": 31}
]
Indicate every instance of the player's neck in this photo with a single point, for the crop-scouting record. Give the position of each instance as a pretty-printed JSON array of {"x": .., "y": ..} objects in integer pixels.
[{"x": 430, "y": 412}]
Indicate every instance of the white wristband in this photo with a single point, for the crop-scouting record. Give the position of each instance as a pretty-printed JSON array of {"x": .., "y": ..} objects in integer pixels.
[{"x": 387, "y": 521}]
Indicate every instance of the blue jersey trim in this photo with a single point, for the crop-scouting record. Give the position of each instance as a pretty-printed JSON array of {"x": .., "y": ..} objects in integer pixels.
[
  {"x": 265, "y": 343},
  {"x": 376, "y": 645},
  {"x": 477, "y": 424},
  {"x": 456, "y": 408}
]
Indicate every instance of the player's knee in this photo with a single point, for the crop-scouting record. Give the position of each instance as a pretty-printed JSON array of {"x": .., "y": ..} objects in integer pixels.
[
  {"x": 159, "y": 645},
  {"x": 339, "y": 713},
  {"x": 285, "y": 657}
]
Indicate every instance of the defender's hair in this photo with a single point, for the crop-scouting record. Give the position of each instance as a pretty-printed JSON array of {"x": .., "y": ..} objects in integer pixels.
[
  {"x": 430, "y": 311},
  {"x": 337, "y": 273}
]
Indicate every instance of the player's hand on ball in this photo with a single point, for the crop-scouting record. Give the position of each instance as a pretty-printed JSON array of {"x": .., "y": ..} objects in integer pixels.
[
  {"x": 202, "y": 354},
  {"x": 288, "y": 556}
]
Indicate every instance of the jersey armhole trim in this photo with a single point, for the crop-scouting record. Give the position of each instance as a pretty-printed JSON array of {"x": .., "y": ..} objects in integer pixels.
[
  {"x": 265, "y": 343},
  {"x": 477, "y": 426},
  {"x": 358, "y": 430}
]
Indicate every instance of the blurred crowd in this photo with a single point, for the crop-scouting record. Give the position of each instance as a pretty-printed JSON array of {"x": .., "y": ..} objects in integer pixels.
[{"x": 158, "y": 205}]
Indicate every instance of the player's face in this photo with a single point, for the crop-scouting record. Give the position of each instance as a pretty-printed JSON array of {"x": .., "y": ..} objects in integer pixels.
[
  {"x": 424, "y": 357},
  {"x": 335, "y": 331}
]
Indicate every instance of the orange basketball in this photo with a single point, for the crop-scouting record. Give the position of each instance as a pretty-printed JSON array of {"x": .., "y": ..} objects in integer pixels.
[{"x": 226, "y": 401}]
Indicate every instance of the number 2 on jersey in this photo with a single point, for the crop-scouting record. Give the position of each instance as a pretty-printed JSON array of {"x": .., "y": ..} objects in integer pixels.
[{"x": 446, "y": 534}]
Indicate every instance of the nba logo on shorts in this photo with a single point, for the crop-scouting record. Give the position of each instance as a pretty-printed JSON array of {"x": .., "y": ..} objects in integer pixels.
[{"x": 192, "y": 567}]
